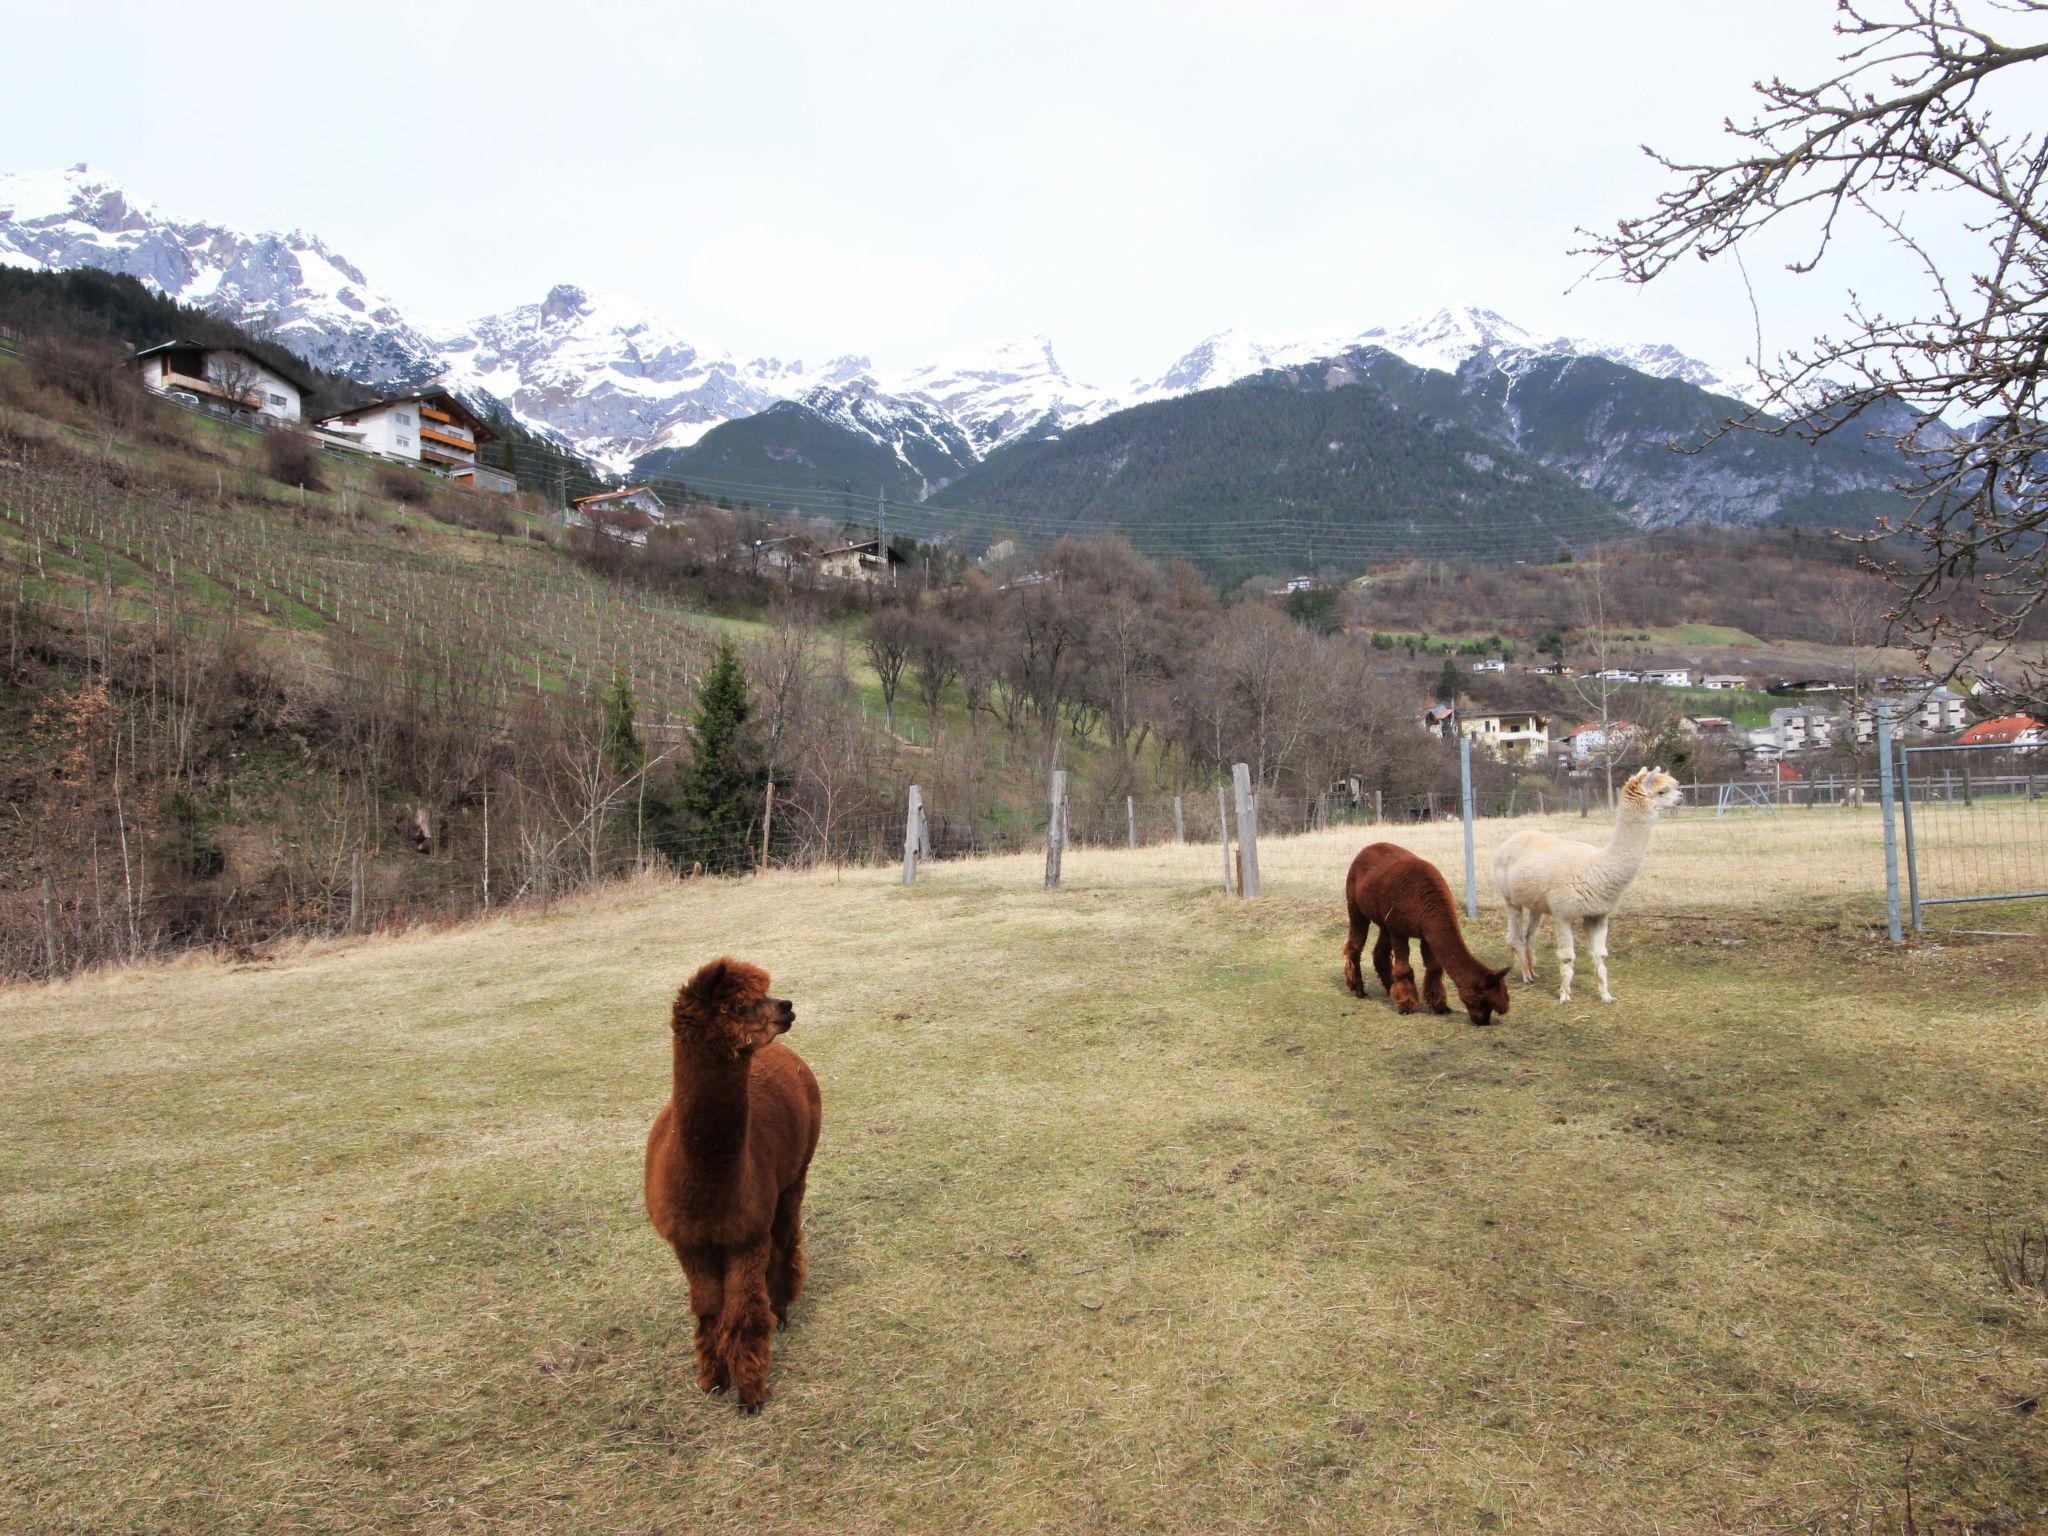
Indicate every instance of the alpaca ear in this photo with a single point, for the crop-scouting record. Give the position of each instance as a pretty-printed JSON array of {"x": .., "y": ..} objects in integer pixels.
[{"x": 723, "y": 983}]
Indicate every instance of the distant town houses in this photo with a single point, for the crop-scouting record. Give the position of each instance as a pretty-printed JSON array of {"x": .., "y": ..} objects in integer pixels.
[
  {"x": 1935, "y": 713},
  {"x": 1669, "y": 677},
  {"x": 227, "y": 378},
  {"x": 1722, "y": 682},
  {"x": 1799, "y": 728},
  {"x": 1490, "y": 664}
]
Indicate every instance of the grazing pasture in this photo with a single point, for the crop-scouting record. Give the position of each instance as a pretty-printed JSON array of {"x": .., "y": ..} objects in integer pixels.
[{"x": 1127, "y": 1217}]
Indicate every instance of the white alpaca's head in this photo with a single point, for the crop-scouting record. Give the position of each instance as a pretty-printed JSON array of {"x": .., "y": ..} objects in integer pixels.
[{"x": 1652, "y": 790}]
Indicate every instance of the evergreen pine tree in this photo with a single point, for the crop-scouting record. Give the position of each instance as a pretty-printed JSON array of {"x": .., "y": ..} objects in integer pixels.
[
  {"x": 720, "y": 791},
  {"x": 1449, "y": 683},
  {"x": 623, "y": 752}
]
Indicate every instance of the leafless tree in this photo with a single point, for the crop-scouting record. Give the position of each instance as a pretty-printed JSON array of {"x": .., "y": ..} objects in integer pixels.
[
  {"x": 1909, "y": 114},
  {"x": 237, "y": 377},
  {"x": 886, "y": 643}
]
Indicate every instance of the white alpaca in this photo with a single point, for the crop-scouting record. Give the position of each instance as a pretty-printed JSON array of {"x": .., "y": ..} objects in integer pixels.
[{"x": 1536, "y": 873}]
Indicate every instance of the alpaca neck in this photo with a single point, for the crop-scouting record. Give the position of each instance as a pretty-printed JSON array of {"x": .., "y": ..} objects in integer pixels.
[
  {"x": 1447, "y": 942},
  {"x": 711, "y": 1109},
  {"x": 1630, "y": 844}
]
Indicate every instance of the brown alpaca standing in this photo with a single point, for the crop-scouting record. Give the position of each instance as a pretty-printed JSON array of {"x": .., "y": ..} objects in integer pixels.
[
  {"x": 726, "y": 1162},
  {"x": 1408, "y": 898}
]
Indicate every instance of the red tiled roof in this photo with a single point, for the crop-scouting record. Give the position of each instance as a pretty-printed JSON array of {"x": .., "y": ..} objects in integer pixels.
[{"x": 1993, "y": 732}]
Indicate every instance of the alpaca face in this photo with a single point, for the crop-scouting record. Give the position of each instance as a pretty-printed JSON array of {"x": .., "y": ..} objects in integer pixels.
[
  {"x": 1487, "y": 999},
  {"x": 1654, "y": 788},
  {"x": 725, "y": 1007}
]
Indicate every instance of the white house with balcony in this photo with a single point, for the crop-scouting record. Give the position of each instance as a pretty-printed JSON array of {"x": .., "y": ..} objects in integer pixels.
[
  {"x": 432, "y": 427},
  {"x": 1596, "y": 740},
  {"x": 1669, "y": 677},
  {"x": 1801, "y": 728},
  {"x": 227, "y": 378},
  {"x": 1509, "y": 732}
]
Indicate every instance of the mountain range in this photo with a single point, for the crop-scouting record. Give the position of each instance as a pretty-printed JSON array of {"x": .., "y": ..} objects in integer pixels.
[{"x": 1555, "y": 422}]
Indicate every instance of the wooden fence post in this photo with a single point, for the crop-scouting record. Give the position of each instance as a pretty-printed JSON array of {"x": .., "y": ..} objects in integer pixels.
[
  {"x": 53, "y": 956},
  {"x": 1180, "y": 827},
  {"x": 1131, "y": 820},
  {"x": 913, "y": 812},
  {"x": 924, "y": 829},
  {"x": 1223, "y": 821},
  {"x": 767, "y": 819},
  {"x": 1379, "y": 806},
  {"x": 355, "y": 891},
  {"x": 1055, "y": 828},
  {"x": 1247, "y": 831}
]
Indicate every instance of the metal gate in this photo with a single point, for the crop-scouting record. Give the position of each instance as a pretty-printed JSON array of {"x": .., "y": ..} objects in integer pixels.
[{"x": 1976, "y": 824}]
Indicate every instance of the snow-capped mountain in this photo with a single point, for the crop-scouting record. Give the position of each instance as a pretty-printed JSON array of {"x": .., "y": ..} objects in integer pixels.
[
  {"x": 1444, "y": 341},
  {"x": 614, "y": 378},
  {"x": 606, "y": 375},
  {"x": 290, "y": 286},
  {"x": 998, "y": 392}
]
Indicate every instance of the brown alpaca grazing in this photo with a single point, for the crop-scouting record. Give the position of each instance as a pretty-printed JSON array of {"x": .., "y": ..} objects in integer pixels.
[
  {"x": 1409, "y": 899},
  {"x": 726, "y": 1162}
]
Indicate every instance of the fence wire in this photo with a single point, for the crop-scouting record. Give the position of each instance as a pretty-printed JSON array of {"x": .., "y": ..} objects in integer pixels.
[{"x": 1976, "y": 824}]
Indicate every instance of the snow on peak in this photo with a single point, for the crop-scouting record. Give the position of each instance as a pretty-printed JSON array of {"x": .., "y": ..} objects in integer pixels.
[{"x": 1445, "y": 340}]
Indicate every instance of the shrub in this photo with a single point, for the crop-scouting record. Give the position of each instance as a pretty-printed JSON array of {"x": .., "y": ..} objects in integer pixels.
[
  {"x": 292, "y": 458},
  {"x": 403, "y": 485}
]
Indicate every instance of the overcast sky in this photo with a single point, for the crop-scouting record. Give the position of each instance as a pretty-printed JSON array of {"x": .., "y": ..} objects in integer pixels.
[{"x": 804, "y": 179}]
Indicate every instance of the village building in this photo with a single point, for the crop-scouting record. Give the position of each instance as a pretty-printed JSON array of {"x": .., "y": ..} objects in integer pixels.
[
  {"x": 1490, "y": 664},
  {"x": 432, "y": 427},
  {"x": 1669, "y": 677},
  {"x": 1801, "y": 728},
  {"x": 631, "y": 498},
  {"x": 1722, "y": 682},
  {"x": 2021, "y": 732},
  {"x": 862, "y": 560},
  {"x": 1596, "y": 740},
  {"x": 1933, "y": 714},
  {"x": 226, "y": 377},
  {"x": 1509, "y": 732},
  {"x": 1437, "y": 720},
  {"x": 1706, "y": 725}
]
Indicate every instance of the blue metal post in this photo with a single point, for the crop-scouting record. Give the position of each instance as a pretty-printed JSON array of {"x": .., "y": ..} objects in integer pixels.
[
  {"x": 1891, "y": 833},
  {"x": 1471, "y": 869}
]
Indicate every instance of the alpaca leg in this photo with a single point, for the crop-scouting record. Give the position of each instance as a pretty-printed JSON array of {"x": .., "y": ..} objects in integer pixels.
[
  {"x": 1432, "y": 981},
  {"x": 745, "y": 1325},
  {"x": 786, "y": 1262},
  {"x": 1402, "y": 987},
  {"x": 1353, "y": 945},
  {"x": 1517, "y": 919},
  {"x": 1565, "y": 953},
  {"x": 1383, "y": 959},
  {"x": 707, "y": 1300},
  {"x": 1596, "y": 941},
  {"x": 1531, "y": 921}
]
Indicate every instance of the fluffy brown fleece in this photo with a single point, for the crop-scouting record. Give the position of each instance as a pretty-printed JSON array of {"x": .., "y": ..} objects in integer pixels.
[{"x": 726, "y": 1163}]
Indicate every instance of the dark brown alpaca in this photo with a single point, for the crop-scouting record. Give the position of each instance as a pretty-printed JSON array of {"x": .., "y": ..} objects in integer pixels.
[
  {"x": 1408, "y": 898},
  {"x": 726, "y": 1162}
]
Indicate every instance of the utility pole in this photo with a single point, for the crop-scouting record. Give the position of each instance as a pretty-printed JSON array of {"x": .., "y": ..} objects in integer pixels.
[{"x": 882, "y": 533}]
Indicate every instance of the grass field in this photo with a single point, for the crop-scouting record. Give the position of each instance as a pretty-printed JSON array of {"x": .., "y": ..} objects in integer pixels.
[{"x": 1127, "y": 1217}]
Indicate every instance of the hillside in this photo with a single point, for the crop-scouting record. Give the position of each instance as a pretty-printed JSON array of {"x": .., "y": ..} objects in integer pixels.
[{"x": 1268, "y": 471}]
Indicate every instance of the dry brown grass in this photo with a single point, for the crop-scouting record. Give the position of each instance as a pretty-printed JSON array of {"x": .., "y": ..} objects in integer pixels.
[{"x": 1127, "y": 1217}]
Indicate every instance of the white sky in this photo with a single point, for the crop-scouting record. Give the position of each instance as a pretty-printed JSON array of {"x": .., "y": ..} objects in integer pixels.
[{"x": 806, "y": 179}]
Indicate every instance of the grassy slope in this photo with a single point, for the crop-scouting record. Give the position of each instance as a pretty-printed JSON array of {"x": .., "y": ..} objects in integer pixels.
[{"x": 1126, "y": 1217}]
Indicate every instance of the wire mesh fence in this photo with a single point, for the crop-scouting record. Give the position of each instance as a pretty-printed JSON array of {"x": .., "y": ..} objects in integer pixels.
[{"x": 1975, "y": 820}]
